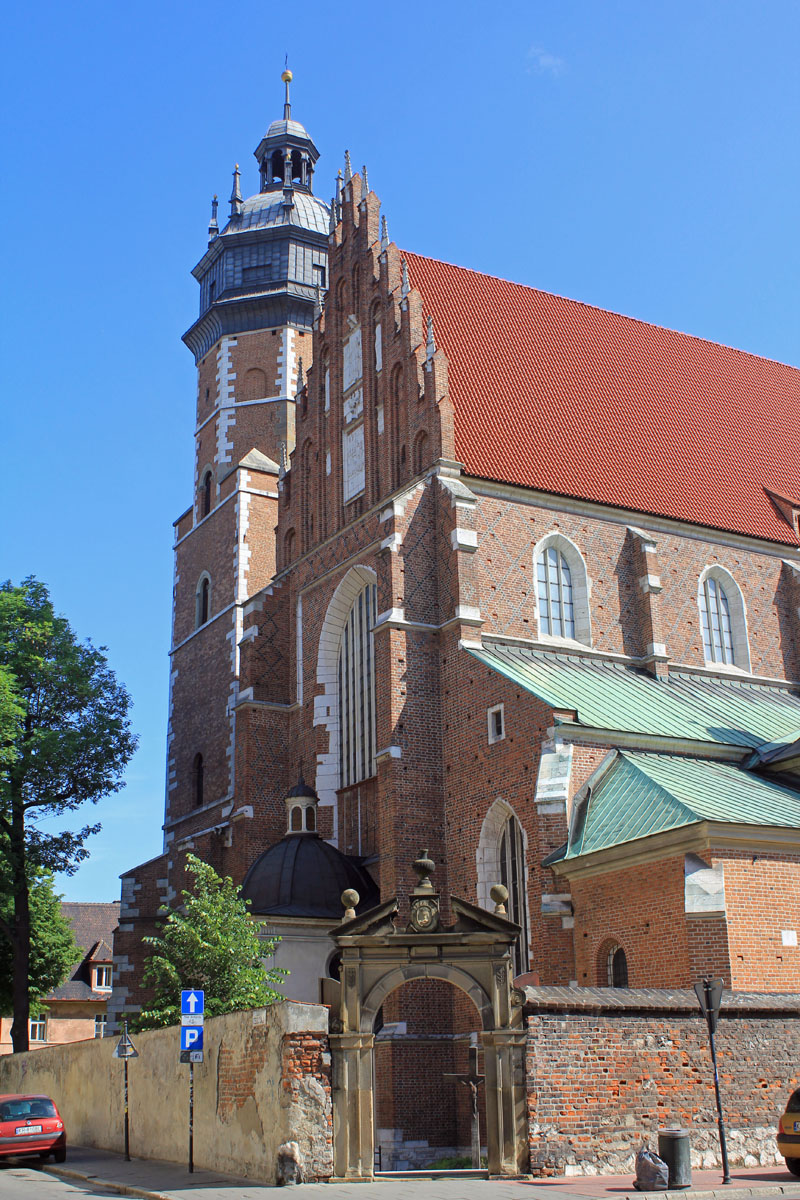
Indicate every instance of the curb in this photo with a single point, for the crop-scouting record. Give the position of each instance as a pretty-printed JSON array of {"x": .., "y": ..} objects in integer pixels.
[
  {"x": 124, "y": 1189},
  {"x": 723, "y": 1193}
]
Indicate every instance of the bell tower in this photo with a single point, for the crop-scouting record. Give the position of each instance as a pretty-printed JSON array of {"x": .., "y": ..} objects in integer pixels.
[{"x": 261, "y": 283}]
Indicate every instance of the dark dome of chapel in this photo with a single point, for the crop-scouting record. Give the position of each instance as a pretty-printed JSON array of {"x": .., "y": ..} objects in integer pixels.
[{"x": 304, "y": 876}]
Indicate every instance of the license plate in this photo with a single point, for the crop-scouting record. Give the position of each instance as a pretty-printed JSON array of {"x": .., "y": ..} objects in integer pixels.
[{"x": 29, "y": 1129}]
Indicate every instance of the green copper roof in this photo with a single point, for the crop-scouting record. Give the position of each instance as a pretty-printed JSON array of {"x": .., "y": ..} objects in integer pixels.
[
  {"x": 611, "y": 696},
  {"x": 644, "y": 794}
]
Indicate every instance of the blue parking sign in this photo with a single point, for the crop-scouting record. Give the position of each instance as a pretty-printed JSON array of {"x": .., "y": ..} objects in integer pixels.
[
  {"x": 193, "y": 1002},
  {"x": 191, "y": 1037}
]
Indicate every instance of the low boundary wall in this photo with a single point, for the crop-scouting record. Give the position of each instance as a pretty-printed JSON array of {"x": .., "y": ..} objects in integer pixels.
[
  {"x": 607, "y": 1068},
  {"x": 265, "y": 1080}
]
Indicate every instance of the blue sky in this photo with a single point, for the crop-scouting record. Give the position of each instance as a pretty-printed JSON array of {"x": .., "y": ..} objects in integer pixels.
[{"x": 640, "y": 157}]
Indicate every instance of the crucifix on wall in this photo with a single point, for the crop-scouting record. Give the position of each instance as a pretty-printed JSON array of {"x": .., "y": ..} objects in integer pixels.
[{"x": 472, "y": 1080}]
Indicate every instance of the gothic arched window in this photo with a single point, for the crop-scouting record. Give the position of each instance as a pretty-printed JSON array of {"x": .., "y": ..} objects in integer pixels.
[
  {"x": 617, "y": 967},
  {"x": 202, "y": 601},
  {"x": 511, "y": 855},
  {"x": 356, "y": 676},
  {"x": 206, "y": 504},
  {"x": 723, "y": 619},
  {"x": 562, "y": 590}
]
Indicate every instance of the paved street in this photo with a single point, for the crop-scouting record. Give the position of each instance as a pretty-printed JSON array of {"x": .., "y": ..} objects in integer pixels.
[{"x": 87, "y": 1172}]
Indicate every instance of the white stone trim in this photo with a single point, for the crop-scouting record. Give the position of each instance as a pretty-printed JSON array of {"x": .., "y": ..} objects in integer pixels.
[
  {"x": 738, "y": 612},
  {"x": 650, "y": 583},
  {"x": 463, "y": 539},
  {"x": 287, "y": 365},
  {"x": 389, "y": 752},
  {"x": 495, "y": 737},
  {"x": 581, "y": 589}
]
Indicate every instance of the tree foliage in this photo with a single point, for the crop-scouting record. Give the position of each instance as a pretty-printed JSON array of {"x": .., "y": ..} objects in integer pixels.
[
  {"x": 65, "y": 739},
  {"x": 213, "y": 944},
  {"x": 53, "y": 946}
]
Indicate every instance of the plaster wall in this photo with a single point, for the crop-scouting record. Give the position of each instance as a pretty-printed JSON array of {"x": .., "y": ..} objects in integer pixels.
[{"x": 265, "y": 1080}]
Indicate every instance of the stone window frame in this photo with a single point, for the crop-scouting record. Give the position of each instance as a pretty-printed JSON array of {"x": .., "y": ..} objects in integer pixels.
[
  {"x": 491, "y": 723},
  {"x": 581, "y": 590},
  {"x": 326, "y": 705},
  {"x": 204, "y": 578},
  {"x": 738, "y": 615},
  {"x": 488, "y": 866},
  {"x": 609, "y": 948}
]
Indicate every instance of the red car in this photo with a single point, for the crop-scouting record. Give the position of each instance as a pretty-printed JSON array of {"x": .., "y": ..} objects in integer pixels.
[{"x": 31, "y": 1125}]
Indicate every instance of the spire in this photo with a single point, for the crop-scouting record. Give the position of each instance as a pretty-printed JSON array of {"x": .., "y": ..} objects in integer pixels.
[
  {"x": 284, "y": 464},
  {"x": 299, "y": 387},
  {"x": 348, "y": 169},
  {"x": 332, "y": 219},
  {"x": 384, "y": 234},
  {"x": 236, "y": 193},
  {"x": 287, "y": 79},
  {"x": 364, "y": 184},
  {"x": 339, "y": 189},
  {"x": 405, "y": 286},
  {"x": 317, "y": 302},
  {"x": 430, "y": 345},
  {"x": 213, "y": 226}
]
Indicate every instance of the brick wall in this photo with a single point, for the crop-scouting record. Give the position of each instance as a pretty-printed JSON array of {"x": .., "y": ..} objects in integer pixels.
[{"x": 606, "y": 1070}]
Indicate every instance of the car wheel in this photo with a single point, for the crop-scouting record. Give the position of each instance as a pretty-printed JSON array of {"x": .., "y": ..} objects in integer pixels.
[
  {"x": 60, "y": 1155},
  {"x": 793, "y": 1165},
  {"x": 45, "y": 1154}
]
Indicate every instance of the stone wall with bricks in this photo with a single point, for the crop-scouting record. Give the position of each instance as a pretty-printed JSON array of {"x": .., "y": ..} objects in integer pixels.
[
  {"x": 606, "y": 1069},
  {"x": 266, "y": 1079}
]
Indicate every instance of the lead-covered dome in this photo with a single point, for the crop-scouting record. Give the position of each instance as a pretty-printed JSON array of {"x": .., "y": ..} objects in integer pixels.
[
  {"x": 304, "y": 876},
  {"x": 268, "y": 210}
]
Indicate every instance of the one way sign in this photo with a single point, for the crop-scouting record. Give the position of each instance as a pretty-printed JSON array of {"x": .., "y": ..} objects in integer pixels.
[{"x": 193, "y": 1002}]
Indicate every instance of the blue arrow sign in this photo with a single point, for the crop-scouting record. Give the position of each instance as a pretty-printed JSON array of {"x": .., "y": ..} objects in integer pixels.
[
  {"x": 193, "y": 1002},
  {"x": 191, "y": 1037}
]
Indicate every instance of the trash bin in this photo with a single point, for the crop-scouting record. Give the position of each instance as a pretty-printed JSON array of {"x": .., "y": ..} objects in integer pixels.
[{"x": 675, "y": 1149}]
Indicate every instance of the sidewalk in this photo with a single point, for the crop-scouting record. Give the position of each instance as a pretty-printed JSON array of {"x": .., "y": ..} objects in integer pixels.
[{"x": 170, "y": 1181}]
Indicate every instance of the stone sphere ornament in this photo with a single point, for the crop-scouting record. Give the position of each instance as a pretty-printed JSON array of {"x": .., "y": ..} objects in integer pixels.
[
  {"x": 499, "y": 894},
  {"x": 350, "y": 899}
]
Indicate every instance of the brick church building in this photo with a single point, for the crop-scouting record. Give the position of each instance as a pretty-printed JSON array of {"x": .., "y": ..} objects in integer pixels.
[{"x": 490, "y": 572}]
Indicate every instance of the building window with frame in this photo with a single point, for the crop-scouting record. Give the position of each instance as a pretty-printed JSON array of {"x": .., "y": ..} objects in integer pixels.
[
  {"x": 496, "y": 720},
  {"x": 562, "y": 590},
  {"x": 102, "y": 979},
  {"x": 202, "y": 602},
  {"x": 554, "y": 590},
  {"x": 356, "y": 674},
  {"x": 617, "y": 967},
  {"x": 100, "y": 1024},
  {"x": 37, "y": 1029},
  {"x": 205, "y": 505}
]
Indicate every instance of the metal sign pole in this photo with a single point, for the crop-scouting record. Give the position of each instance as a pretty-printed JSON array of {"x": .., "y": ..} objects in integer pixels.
[
  {"x": 127, "y": 1127},
  {"x": 191, "y": 1117},
  {"x": 726, "y": 1174}
]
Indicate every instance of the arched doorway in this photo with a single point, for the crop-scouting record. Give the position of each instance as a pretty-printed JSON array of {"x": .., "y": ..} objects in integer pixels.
[{"x": 474, "y": 955}]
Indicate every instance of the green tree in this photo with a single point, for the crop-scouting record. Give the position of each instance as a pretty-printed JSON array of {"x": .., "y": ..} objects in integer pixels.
[
  {"x": 65, "y": 741},
  {"x": 211, "y": 943},
  {"x": 53, "y": 946}
]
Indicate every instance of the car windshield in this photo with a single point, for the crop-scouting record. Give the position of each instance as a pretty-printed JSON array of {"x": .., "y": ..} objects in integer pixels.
[
  {"x": 24, "y": 1110},
  {"x": 794, "y": 1102}
]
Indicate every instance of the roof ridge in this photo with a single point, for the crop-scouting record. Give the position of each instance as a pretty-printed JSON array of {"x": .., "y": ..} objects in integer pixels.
[{"x": 598, "y": 308}]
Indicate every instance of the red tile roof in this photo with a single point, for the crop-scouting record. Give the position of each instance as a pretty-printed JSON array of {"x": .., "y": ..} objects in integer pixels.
[{"x": 569, "y": 399}]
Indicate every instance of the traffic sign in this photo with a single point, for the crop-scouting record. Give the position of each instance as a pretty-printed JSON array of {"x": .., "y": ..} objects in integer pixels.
[
  {"x": 193, "y": 1002},
  {"x": 125, "y": 1048},
  {"x": 191, "y": 1056},
  {"x": 191, "y": 1018},
  {"x": 191, "y": 1037}
]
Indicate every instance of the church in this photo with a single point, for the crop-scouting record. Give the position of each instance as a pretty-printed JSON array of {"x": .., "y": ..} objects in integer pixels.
[{"x": 479, "y": 570}]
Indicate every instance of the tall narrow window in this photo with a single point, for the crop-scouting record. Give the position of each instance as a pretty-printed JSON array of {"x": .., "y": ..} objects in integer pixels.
[
  {"x": 197, "y": 780},
  {"x": 554, "y": 584},
  {"x": 715, "y": 619},
  {"x": 206, "y": 503},
  {"x": 617, "y": 968},
  {"x": 357, "y": 690},
  {"x": 512, "y": 876},
  {"x": 100, "y": 1023},
  {"x": 203, "y": 601}
]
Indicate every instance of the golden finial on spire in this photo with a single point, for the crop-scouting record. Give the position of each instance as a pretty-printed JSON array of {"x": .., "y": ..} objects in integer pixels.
[{"x": 287, "y": 79}]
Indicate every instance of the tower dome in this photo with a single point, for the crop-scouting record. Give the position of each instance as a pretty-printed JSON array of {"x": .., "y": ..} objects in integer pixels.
[{"x": 264, "y": 268}]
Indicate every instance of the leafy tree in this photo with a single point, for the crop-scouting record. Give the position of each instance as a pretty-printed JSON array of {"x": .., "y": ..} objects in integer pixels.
[
  {"x": 64, "y": 741},
  {"x": 211, "y": 944},
  {"x": 53, "y": 946}
]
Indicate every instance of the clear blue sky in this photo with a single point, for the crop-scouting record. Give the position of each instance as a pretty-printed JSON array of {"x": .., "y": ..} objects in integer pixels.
[{"x": 642, "y": 157}]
